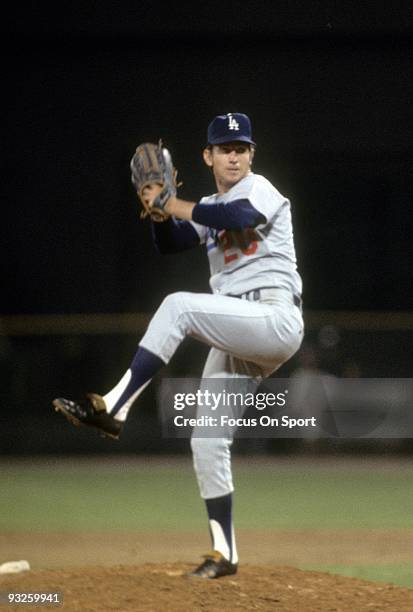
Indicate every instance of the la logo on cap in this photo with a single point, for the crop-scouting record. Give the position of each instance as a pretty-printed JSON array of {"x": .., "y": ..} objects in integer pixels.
[
  {"x": 232, "y": 122},
  {"x": 229, "y": 128}
]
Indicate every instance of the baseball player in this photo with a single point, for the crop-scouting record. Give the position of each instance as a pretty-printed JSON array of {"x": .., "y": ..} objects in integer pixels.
[{"x": 252, "y": 319}]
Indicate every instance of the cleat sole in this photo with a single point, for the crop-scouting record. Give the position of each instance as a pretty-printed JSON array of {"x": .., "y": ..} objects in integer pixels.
[
  {"x": 77, "y": 423},
  {"x": 59, "y": 408}
]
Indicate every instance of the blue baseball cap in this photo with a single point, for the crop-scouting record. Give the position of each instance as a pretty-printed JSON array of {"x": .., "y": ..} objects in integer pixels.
[{"x": 232, "y": 127}]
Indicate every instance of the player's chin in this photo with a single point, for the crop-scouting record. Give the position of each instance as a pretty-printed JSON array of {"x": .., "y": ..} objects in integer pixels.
[{"x": 232, "y": 177}]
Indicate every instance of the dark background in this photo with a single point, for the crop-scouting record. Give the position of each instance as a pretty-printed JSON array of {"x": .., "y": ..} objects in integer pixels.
[{"x": 328, "y": 87}]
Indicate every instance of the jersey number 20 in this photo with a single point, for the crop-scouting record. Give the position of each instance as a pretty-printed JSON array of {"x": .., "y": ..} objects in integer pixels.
[{"x": 245, "y": 241}]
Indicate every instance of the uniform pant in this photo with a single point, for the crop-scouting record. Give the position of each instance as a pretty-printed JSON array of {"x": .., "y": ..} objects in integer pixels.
[{"x": 248, "y": 339}]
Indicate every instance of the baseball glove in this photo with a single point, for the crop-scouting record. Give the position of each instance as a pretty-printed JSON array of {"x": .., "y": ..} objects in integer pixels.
[{"x": 154, "y": 178}]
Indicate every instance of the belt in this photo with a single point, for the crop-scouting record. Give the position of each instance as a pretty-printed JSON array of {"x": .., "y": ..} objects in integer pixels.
[{"x": 255, "y": 295}]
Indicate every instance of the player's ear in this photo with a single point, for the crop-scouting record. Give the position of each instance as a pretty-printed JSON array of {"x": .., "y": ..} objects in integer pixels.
[
  {"x": 207, "y": 155},
  {"x": 252, "y": 153}
]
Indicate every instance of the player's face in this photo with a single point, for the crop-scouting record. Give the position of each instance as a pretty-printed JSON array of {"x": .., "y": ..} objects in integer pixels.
[{"x": 230, "y": 162}]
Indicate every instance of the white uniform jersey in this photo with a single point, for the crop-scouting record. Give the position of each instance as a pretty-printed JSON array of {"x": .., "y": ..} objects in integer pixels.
[{"x": 248, "y": 259}]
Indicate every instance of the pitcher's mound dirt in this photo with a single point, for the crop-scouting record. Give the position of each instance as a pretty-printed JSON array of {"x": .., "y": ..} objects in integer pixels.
[{"x": 154, "y": 587}]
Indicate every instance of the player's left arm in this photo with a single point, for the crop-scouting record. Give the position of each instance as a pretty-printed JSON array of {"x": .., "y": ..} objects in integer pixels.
[{"x": 234, "y": 215}]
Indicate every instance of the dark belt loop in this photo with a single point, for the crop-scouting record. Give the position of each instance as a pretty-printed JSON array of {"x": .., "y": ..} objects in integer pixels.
[
  {"x": 255, "y": 295},
  {"x": 298, "y": 301}
]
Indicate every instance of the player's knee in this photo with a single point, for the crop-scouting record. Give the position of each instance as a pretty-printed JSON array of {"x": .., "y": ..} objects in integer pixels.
[
  {"x": 212, "y": 465},
  {"x": 205, "y": 449},
  {"x": 176, "y": 301}
]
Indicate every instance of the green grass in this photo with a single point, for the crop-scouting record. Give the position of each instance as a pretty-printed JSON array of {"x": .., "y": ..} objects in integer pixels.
[
  {"x": 38, "y": 500},
  {"x": 317, "y": 499},
  {"x": 396, "y": 574},
  {"x": 38, "y": 497}
]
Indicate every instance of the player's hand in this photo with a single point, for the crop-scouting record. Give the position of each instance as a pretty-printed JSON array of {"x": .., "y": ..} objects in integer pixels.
[
  {"x": 149, "y": 195},
  {"x": 171, "y": 205}
]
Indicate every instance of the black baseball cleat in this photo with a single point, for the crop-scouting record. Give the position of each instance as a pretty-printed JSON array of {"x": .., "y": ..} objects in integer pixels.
[
  {"x": 89, "y": 411},
  {"x": 214, "y": 566}
]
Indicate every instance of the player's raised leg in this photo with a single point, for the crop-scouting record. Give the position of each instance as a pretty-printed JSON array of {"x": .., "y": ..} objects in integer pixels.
[
  {"x": 108, "y": 412},
  {"x": 222, "y": 322}
]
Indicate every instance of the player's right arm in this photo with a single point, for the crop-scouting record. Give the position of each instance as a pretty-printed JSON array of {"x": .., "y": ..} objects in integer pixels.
[{"x": 174, "y": 235}]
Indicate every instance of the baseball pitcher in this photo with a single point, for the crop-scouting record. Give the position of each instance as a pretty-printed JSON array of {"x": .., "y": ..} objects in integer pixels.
[{"x": 252, "y": 319}]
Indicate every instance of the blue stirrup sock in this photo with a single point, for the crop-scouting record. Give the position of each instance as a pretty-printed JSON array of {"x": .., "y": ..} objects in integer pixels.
[
  {"x": 142, "y": 369},
  {"x": 220, "y": 526}
]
